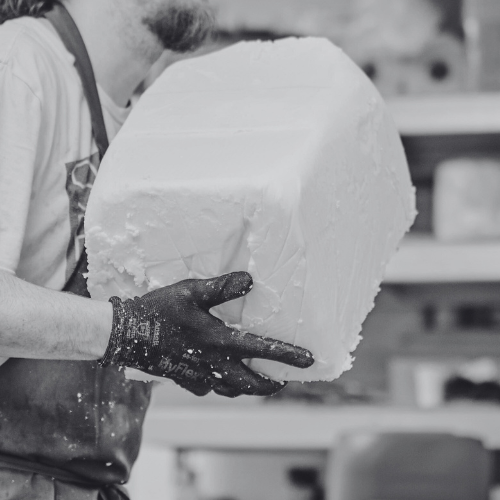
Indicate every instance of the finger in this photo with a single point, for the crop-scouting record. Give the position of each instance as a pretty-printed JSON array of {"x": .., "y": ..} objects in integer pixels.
[
  {"x": 222, "y": 389},
  {"x": 192, "y": 375},
  {"x": 245, "y": 381},
  {"x": 247, "y": 345},
  {"x": 275, "y": 350},
  {"x": 199, "y": 389},
  {"x": 227, "y": 287}
]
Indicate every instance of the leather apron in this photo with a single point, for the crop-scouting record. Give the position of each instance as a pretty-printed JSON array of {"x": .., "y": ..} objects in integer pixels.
[{"x": 72, "y": 416}]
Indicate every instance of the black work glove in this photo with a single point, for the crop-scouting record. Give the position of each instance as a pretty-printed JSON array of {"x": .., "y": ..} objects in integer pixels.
[{"x": 170, "y": 333}]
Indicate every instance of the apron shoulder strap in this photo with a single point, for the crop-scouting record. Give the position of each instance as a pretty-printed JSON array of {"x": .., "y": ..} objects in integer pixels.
[
  {"x": 68, "y": 31},
  {"x": 72, "y": 39}
]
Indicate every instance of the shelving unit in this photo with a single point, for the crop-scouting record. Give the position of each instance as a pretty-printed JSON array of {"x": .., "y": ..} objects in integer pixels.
[
  {"x": 296, "y": 427},
  {"x": 424, "y": 259}
]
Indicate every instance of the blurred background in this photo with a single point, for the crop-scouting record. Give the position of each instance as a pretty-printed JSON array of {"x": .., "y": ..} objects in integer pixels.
[{"x": 420, "y": 410}]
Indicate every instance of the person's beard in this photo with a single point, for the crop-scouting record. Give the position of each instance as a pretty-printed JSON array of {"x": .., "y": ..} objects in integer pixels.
[{"x": 180, "y": 27}]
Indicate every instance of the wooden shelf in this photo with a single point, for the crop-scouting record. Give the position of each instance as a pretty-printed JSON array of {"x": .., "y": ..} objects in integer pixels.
[
  {"x": 287, "y": 427},
  {"x": 474, "y": 113},
  {"x": 425, "y": 260}
]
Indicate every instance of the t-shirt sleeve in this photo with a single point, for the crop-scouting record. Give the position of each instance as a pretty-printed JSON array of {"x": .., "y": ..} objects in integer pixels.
[{"x": 20, "y": 118}]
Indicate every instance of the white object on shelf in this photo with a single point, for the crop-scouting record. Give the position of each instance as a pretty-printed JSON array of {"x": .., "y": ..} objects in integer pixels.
[
  {"x": 466, "y": 199},
  {"x": 474, "y": 113},
  {"x": 426, "y": 260}
]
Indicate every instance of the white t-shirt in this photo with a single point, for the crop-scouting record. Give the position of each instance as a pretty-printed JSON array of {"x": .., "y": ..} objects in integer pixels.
[{"x": 48, "y": 157}]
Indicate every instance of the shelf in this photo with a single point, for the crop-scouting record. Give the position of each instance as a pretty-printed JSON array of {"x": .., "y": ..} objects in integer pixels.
[
  {"x": 474, "y": 113},
  {"x": 425, "y": 260},
  {"x": 287, "y": 427}
]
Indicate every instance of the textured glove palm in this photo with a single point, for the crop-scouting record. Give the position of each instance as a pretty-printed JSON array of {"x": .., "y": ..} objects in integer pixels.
[{"x": 170, "y": 333}]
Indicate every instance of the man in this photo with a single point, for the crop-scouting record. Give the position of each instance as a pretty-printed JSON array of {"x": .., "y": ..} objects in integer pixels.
[{"x": 70, "y": 423}]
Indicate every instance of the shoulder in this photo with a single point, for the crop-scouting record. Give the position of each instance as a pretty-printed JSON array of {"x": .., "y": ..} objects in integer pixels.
[
  {"x": 26, "y": 38},
  {"x": 31, "y": 52}
]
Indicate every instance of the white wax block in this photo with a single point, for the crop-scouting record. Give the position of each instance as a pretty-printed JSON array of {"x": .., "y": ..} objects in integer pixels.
[{"x": 279, "y": 159}]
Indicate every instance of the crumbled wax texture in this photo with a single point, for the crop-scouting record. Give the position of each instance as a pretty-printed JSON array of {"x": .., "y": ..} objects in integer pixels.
[{"x": 279, "y": 159}]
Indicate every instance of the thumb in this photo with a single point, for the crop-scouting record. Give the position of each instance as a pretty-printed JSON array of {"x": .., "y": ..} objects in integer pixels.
[{"x": 227, "y": 287}]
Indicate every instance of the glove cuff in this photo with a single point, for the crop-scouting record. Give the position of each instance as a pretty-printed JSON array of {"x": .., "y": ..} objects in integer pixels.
[{"x": 117, "y": 350}]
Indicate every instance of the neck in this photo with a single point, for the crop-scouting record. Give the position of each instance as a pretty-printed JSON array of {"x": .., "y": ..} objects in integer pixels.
[{"x": 119, "y": 58}]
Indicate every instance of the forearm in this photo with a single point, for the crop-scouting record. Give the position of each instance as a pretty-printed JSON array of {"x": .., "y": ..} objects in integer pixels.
[{"x": 44, "y": 324}]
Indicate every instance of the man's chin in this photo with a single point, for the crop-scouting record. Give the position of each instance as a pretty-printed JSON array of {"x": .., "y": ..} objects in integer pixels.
[{"x": 182, "y": 26}]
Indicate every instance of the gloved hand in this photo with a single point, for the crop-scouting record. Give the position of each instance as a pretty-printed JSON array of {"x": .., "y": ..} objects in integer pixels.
[{"x": 170, "y": 333}]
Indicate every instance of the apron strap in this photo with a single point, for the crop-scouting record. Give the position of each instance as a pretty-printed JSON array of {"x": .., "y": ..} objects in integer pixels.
[
  {"x": 68, "y": 31},
  {"x": 72, "y": 39}
]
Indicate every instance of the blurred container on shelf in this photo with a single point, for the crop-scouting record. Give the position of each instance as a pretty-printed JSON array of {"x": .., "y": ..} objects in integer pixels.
[
  {"x": 482, "y": 29},
  {"x": 466, "y": 202}
]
